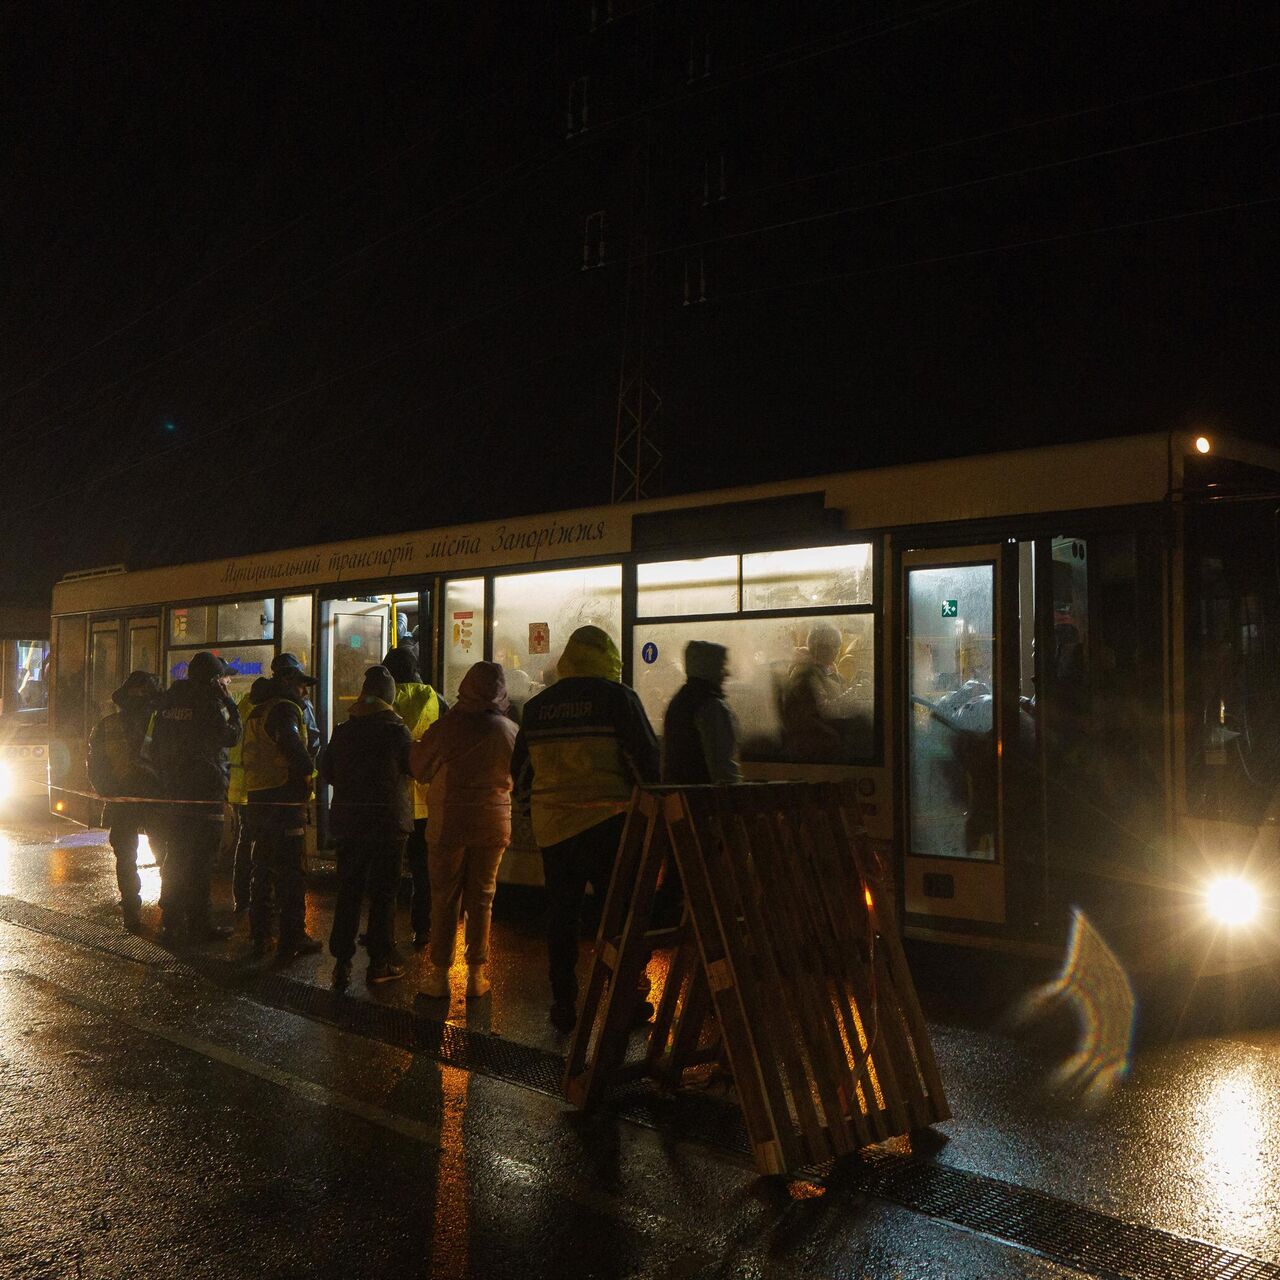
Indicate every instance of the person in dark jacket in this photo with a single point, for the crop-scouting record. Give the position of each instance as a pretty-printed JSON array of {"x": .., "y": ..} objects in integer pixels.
[
  {"x": 699, "y": 746},
  {"x": 419, "y": 706},
  {"x": 367, "y": 764},
  {"x": 116, "y": 768},
  {"x": 699, "y": 739},
  {"x": 194, "y": 725},
  {"x": 278, "y": 771},
  {"x": 583, "y": 746}
]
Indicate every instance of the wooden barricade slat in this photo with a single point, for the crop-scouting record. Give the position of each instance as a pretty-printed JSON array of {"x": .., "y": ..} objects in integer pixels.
[{"x": 786, "y": 965}]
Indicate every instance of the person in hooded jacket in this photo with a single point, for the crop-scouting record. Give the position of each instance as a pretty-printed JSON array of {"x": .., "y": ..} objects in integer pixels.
[
  {"x": 278, "y": 771},
  {"x": 419, "y": 706},
  {"x": 699, "y": 738},
  {"x": 367, "y": 764},
  {"x": 190, "y": 732},
  {"x": 583, "y": 745},
  {"x": 116, "y": 768},
  {"x": 465, "y": 757}
]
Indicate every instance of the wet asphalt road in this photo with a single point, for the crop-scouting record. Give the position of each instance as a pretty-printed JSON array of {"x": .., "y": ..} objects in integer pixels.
[{"x": 155, "y": 1124}]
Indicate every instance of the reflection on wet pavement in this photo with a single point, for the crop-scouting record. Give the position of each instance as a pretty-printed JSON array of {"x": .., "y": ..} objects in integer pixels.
[{"x": 1189, "y": 1142}]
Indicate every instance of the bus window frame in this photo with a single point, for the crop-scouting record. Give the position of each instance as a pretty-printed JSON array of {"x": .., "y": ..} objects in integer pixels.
[{"x": 875, "y": 759}]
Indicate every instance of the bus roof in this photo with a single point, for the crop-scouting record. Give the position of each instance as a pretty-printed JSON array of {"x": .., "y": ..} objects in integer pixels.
[{"x": 1116, "y": 472}]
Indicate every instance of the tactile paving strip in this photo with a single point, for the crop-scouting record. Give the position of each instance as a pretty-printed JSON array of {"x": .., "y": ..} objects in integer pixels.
[{"x": 1081, "y": 1238}]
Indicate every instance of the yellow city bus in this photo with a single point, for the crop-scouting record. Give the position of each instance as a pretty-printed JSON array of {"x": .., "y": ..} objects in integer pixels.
[
  {"x": 24, "y": 704},
  {"x": 1052, "y": 672}
]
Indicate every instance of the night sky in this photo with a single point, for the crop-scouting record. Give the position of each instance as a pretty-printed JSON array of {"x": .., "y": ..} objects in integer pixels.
[{"x": 293, "y": 272}]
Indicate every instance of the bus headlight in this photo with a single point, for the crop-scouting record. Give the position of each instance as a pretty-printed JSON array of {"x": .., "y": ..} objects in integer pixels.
[
  {"x": 6, "y": 781},
  {"x": 1232, "y": 901}
]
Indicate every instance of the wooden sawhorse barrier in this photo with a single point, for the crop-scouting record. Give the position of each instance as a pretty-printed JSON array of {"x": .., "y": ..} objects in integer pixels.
[{"x": 781, "y": 966}]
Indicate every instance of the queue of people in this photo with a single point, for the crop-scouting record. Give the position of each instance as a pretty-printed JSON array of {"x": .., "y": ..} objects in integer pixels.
[{"x": 410, "y": 776}]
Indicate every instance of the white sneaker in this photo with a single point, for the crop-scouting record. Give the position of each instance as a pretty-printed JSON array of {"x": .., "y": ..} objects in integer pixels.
[
  {"x": 477, "y": 981},
  {"x": 435, "y": 982}
]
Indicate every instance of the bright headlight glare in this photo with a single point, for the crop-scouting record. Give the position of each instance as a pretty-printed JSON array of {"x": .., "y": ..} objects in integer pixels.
[{"x": 1232, "y": 901}]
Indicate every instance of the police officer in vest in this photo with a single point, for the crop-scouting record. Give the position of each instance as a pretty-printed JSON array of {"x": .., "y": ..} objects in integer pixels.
[
  {"x": 278, "y": 771},
  {"x": 116, "y": 768},
  {"x": 190, "y": 734}
]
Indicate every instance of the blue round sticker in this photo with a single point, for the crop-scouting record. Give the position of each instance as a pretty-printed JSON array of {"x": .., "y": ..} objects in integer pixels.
[{"x": 650, "y": 652}]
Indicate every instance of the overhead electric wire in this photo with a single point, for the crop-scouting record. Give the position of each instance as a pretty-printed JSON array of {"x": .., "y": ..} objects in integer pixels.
[
  {"x": 340, "y": 431},
  {"x": 202, "y": 437},
  {"x": 549, "y": 156},
  {"x": 395, "y": 157},
  {"x": 997, "y": 248},
  {"x": 827, "y": 214},
  {"x": 1039, "y": 123}
]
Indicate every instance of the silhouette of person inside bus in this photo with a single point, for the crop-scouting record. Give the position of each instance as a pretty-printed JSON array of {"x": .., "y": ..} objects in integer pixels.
[
  {"x": 817, "y": 705},
  {"x": 969, "y": 713}
]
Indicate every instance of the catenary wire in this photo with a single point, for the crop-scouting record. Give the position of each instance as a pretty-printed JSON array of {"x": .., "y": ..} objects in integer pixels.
[
  {"x": 356, "y": 184},
  {"x": 1008, "y": 246},
  {"x": 549, "y": 156},
  {"x": 1039, "y": 123},
  {"x": 827, "y": 214}
]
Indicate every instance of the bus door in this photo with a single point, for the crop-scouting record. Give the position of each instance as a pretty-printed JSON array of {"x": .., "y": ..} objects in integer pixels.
[
  {"x": 953, "y": 738},
  {"x": 144, "y": 644},
  {"x": 355, "y": 636}
]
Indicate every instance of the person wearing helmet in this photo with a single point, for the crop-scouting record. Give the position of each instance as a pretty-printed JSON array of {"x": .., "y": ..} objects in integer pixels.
[
  {"x": 116, "y": 768},
  {"x": 191, "y": 731},
  {"x": 583, "y": 746},
  {"x": 278, "y": 772}
]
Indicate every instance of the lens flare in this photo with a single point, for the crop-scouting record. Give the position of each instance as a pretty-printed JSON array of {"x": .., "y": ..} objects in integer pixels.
[{"x": 1232, "y": 901}]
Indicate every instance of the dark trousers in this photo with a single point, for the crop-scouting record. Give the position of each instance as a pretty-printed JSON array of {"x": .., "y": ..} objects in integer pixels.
[
  {"x": 373, "y": 864},
  {"x": 242, "y": 866},
  {"x": 126, "y": 826},
  {"x": 187, "y": 871},
  {"x": 279, "y": 838},
  {"x": 415, "y": 852},
  {"x": 568, "y": 867}
]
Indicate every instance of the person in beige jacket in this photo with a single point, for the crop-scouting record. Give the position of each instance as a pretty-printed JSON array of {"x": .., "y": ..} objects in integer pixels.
[{"x": 465, "y": 758}]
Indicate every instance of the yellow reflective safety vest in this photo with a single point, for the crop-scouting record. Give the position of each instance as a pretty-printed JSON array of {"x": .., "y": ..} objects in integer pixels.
[
  {"x": 237, "y": 793},
  {"x": 263, "y": 764},
  {"x": 419, "y": 707}
]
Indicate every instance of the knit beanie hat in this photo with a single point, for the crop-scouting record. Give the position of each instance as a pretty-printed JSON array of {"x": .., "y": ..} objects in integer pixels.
[{"x": 378, "y": 684}]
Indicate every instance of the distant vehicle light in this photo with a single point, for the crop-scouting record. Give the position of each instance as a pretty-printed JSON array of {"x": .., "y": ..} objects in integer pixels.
[
  {"x": 1232, "y": 901},
  {"x": 6, "y": 781},
  {"x": 59, "y": 806},
  {"x": 1203, "y": 444},
  {"x": 866, "y": 893}
]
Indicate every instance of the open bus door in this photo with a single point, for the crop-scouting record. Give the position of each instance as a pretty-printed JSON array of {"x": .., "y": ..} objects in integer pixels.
[{"x": 356, "y": 634}]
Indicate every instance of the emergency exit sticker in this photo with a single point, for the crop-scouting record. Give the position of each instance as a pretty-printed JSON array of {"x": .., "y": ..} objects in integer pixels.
[
  {"x": 539, "y": 637},
  {"x": 951, "y": 608}
]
